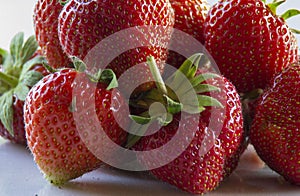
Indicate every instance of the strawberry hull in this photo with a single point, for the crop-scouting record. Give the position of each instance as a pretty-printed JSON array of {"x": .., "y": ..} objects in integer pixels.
[{"x": 215, "y": 143}]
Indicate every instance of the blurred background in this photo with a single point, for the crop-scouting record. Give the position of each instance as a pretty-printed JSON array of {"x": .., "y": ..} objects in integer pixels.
[{"x": 16, "y": 15}]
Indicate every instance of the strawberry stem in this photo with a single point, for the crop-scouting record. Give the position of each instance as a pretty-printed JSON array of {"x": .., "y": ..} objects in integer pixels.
[
  {"x": 274, "y": 5},
  {"x": 156, "y": 74},
  {"x": 10, "y": 80}
]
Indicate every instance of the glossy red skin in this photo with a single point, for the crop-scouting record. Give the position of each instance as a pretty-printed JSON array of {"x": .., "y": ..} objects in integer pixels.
[
  {"x": 189, "y": 18},
  {"x": 45, "y": 20},
  {"x": 192, "y": 171},
  {"x": 80, "y": 31},
  {"x": 275, "y": 129},
  {"x": 234, "y": 137},
  {"x": 52, "y": 133},
  {"x": 249, "y": 44}
]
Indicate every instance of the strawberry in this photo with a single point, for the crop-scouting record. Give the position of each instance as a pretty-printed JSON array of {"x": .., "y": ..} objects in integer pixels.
[
  {"x": 21, "y": 68},
  {"x": 150, "y": 23},
  {"x": 214, "y": 133},
  {"x": 45, "y": 20},
  {"x": 55, "y": 136},
  {"x": 275, "y": 129},
  {"x": 189, "y": 18},
  {"x": 249, "y": 42}
]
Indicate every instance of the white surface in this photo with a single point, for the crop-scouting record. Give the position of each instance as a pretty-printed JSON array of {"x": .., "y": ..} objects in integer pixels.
[
  {"x": 20, "y": 176},
  {"x": 16, "y": 16}
]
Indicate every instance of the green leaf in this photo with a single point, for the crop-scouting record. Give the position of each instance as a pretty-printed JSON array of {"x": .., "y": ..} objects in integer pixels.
[
  {"x": 173, "y": 107},
  {"x": 165, "y": 119},
  {"x": 8, "y": 79},
  {"x": 28, "y": 49},
  {"x": 197, "y": 104},
  {"x": 3, "y": 54},
  {"x": 109, "y": 77},
  {"x": 185, "y": 88},
  {"x": 188, "y": 87},
  {"x": 21, "y": 91},
  {"x": 95, "y": 77},
  {"x": 204, "y": 88},
  {"x": 190, "y": 65},
  {"x": 290, "y": 13},
  {"x": 31, "y": 78},
  {"x": 274, "y": 5},
  {"x": 191, "y": 104},
  {"x": 203, "y": 77},
  {"x": 7, "y": 60},
  {"x": 193, "y": 109},
  {"x": 4, "y": 88},
  {"x": 16, "y": 46},
  {"x": 296, "y": 31},
  {"x": 140, "y": 119},
  {"x": 31, "y": 63},
  {"x": 48, "y": 67},
  {"x": 63, "y": 2},
  {"x": 208, "y": 101},
  {"x": 79, "y": 65},
  {"x": 185, "y": 72},
  {"x": 6, "y": 111}
]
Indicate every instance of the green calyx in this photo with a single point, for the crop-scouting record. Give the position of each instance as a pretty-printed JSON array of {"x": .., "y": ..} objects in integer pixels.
[
  {"x": 286, "y": 15},
  {"x": 184, "y": 91},
  {"x": 274, "y": 5},
  {"x": 106, "y": 76},
  {"x": 63, "y": 2},
  {"x": 16, "y": 75}
]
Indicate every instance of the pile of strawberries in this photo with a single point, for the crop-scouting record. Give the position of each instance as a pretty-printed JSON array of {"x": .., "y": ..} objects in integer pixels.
[{"x": 55, "y": 97}]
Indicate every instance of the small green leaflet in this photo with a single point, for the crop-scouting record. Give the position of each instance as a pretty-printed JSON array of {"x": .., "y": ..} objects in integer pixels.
[
  {"x": 31, "y": 78},
  {"x": 6, "y": 111},
  {"x": 16, "y": 46},
  {"x": 21, "y": 91},
  {"x": 28, "y": 49}
]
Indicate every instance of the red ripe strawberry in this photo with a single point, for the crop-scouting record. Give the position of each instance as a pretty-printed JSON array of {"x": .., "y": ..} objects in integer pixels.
[
  {"x": 214, "y": 148},
  {"x": 21, "y": 68},
  {"x": 84, "y": 24},
  {"x": 189, "y": 18},
  {"x": 53, "y": 132},
  {"x": 249, "y": 42},
  {"x": 45, "y": 21},
  {"x": 275, "y": 129}
]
